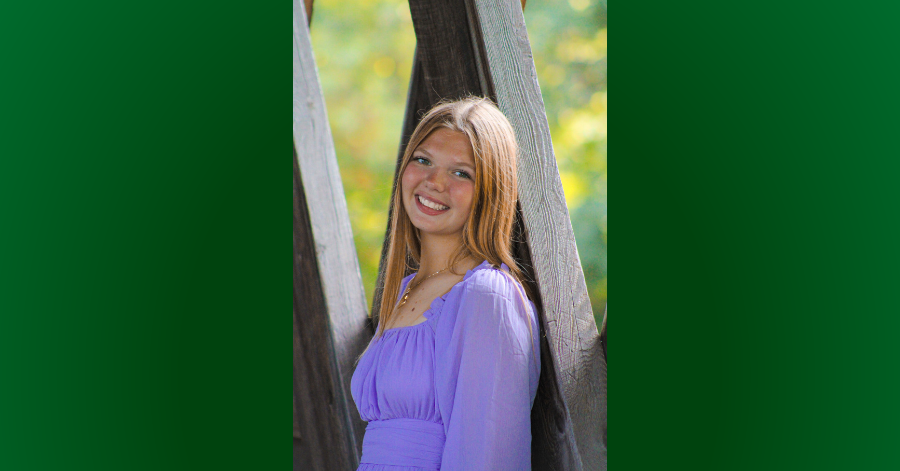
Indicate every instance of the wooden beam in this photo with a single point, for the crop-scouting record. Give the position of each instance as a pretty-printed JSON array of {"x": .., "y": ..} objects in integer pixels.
[
  {"x": 296, "y": 421},
  {"x": 603, "y": 333},
  {"x": 321, "y": 440},
  {"x": 444, "y": 50},
  {"x": 603, "y": 341},
  {"x": 329, "y": 302}
]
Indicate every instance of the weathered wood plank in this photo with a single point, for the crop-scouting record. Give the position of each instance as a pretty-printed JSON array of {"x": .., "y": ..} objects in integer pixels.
[
  {"x": 298, "y": 449},
  {"x": 603, "y": 340},
  {"x": 329, "y": 301},
  {"x": 603, "y": 333},
  {"x": 444, "y": 49},
  {"x": 296, "y": 422},
  {"x": 569, "y": 324},
  {"x": 321, "y": 440}
]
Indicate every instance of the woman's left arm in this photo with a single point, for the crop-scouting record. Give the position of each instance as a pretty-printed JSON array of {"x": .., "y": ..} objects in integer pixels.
[{"x": 486, "y": 378}]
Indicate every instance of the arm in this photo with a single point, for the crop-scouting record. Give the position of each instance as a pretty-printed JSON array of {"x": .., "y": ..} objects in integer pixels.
[{"x": 487, "y": 378}]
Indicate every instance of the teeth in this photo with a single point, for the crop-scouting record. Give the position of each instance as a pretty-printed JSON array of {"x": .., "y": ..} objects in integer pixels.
[{"x": 431, "y": 205}]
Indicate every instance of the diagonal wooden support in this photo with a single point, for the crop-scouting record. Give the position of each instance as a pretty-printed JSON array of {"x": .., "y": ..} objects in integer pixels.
[
  {"x": 330, "y": 319},
  {"x": 481, "y": 47}
]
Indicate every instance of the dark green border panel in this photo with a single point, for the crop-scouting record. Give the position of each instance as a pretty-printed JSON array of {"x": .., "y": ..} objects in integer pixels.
[
  {"x": 756, "y": 194},
  {"x": 144, "y": 260}
]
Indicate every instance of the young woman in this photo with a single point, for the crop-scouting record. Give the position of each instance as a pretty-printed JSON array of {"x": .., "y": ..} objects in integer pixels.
[{"x": 450, "y": 377}]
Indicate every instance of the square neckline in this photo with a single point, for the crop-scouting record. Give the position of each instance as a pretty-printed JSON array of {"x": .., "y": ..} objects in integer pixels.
[{"x": 431, "y": 306}]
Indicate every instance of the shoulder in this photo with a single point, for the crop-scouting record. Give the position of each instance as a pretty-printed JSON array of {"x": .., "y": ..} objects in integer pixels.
[
  {"x": 491, "y": 292},
  {"x": 486, "y": 280},
  {"x": 491, "y": 310}
]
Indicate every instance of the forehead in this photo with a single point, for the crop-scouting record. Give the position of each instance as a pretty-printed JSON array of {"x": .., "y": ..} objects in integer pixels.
[{"x": 449, "y": 145}]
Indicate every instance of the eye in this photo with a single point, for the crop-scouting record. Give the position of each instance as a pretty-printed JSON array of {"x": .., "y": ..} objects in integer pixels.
[
  {"x": 421, "y": 160},
  {"x": 462, "y": 174}
]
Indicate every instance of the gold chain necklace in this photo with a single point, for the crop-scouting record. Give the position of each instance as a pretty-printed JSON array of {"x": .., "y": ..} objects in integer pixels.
[{"x": 410, "y": 288}]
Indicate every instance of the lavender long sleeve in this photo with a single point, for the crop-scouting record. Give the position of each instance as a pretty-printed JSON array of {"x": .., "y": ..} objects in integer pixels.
[
  {"x": 455, "y": 392},
  {"x": 486, "y": 377}
]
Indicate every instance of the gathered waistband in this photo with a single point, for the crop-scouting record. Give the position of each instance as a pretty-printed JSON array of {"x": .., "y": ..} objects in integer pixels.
[{"x": 404, "y": 442}]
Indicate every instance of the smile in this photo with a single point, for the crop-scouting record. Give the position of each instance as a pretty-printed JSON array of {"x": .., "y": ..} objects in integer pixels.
[{"x": 430, "y": 204}]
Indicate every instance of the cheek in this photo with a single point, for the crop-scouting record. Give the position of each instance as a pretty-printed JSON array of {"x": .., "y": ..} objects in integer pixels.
[
  {"x": 465, "y": 193},
  {"x": 409, "y": 179}
]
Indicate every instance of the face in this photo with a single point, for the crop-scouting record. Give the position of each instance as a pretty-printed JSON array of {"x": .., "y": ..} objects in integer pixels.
[{"x": 438, "y": 184}]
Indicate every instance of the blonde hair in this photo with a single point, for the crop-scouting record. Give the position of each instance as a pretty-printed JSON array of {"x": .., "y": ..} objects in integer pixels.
[{"x": 487, "y": 234}]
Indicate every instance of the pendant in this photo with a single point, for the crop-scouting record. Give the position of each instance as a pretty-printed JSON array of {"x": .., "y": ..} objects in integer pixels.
[{"x": 405, "y": 297}]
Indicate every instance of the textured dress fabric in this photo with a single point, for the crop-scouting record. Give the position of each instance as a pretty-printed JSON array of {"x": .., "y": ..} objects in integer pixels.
[{"x": 455, "y": 392}]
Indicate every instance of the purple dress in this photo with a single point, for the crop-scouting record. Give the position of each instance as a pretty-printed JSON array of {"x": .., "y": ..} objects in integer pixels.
[{"x": 453, "y": 393}]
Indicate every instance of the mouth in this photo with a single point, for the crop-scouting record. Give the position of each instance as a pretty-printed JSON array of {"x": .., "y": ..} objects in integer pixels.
[{"x": 430, "y": 207}]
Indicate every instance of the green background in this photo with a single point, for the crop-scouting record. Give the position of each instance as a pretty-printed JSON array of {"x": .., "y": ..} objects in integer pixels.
[{"x": 144, "y": 263}]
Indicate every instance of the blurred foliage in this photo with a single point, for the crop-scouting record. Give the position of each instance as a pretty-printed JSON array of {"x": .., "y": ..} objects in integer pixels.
[{"x": 364, "y": 51}]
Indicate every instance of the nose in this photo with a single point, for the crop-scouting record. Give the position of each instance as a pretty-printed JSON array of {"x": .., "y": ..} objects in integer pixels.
[{"x": 437, "y": 181}]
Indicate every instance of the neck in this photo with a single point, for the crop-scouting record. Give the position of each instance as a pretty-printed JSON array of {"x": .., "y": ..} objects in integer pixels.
[{"x": 437, "y": 251}]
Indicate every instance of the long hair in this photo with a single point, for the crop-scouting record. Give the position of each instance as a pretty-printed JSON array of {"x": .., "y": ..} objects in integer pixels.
[{"x": 487, "y": 234}]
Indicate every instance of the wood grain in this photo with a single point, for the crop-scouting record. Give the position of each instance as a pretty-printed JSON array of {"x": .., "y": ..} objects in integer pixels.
[
  {"x": 445, "y": 49},
  {"x": 603, "y": 333},
  {"x": 321, "y": 438},
  {"x": 329, "y": 301}
]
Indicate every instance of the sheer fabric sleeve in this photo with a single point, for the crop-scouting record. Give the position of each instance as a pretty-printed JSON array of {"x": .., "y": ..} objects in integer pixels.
[{"x": 486, "y": 376}]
